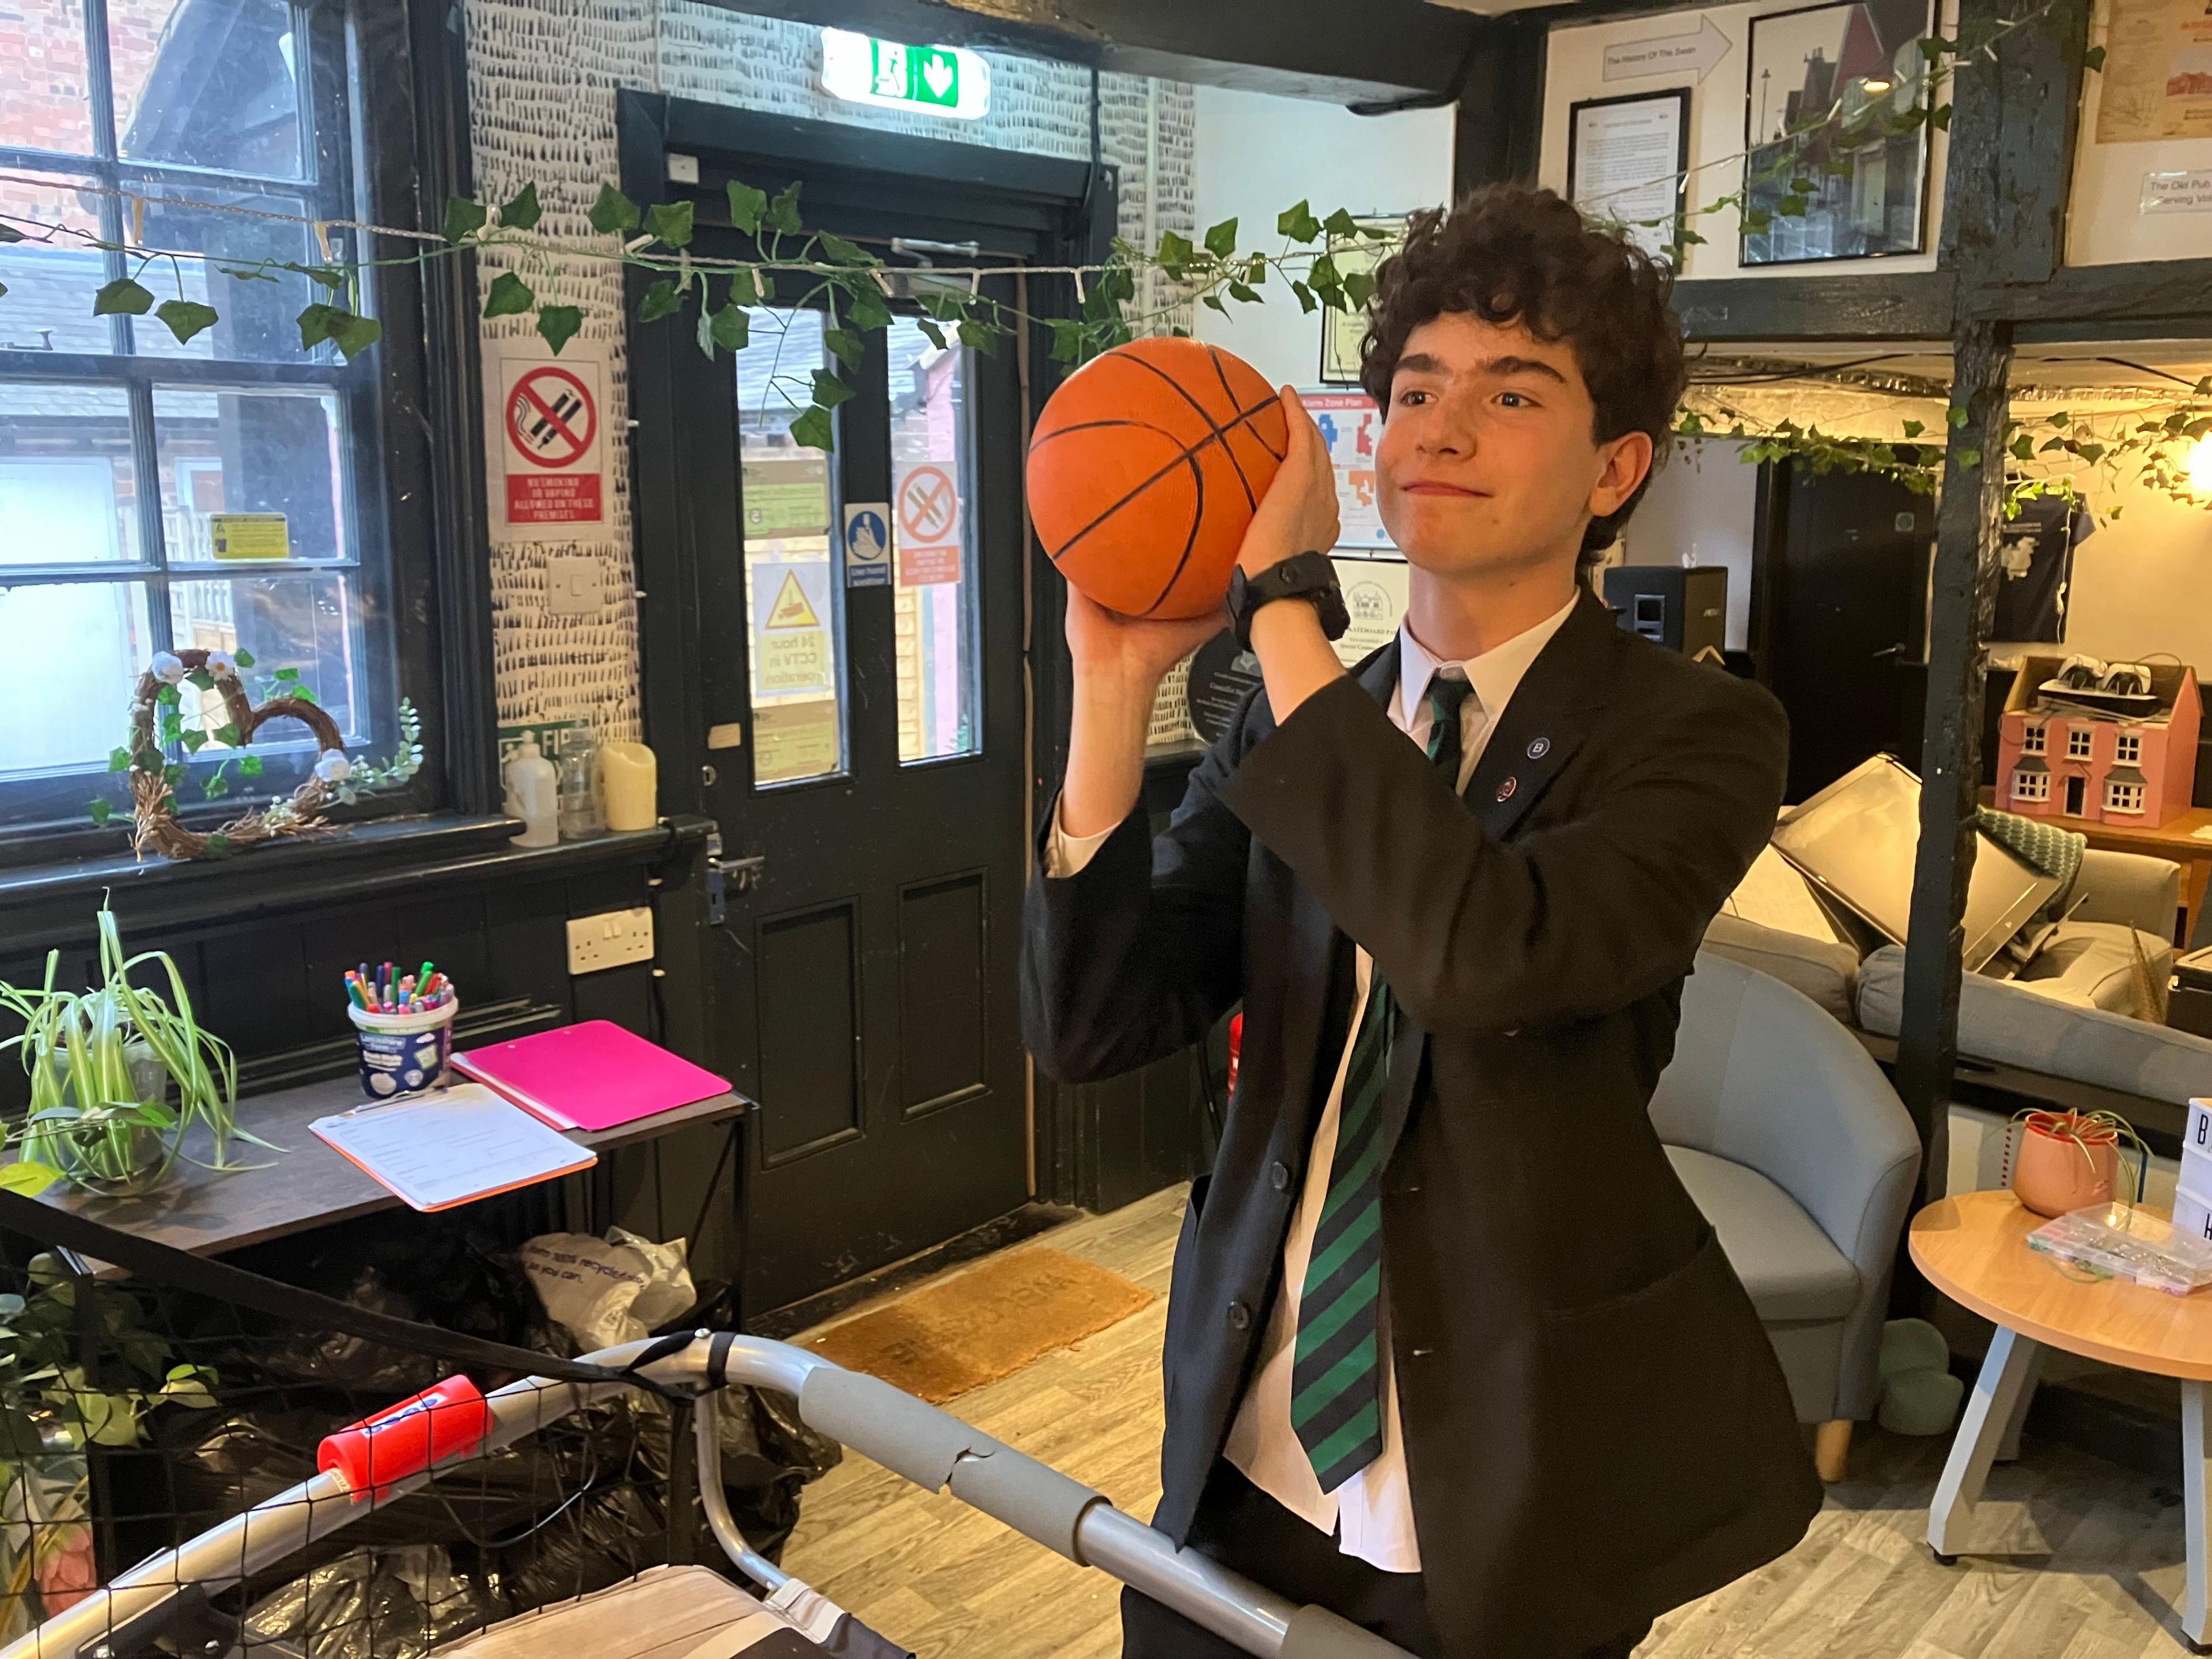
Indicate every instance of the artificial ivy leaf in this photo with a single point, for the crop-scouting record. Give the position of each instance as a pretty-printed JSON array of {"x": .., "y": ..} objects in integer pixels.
[
  {"x": 702, "y": 331},
  {"x": 1066, "y": 340},
  {"x": 173, "y": 775},
  {"x": 225, "y": 734},
  {"x": 830, "y": 390},
  {"x": 557, "y": 324},
  {"x": 1968, "y": 459},
  {"x": 1174, "y": 252},
  {"x": 122, "y": 295},
  {"x": 813, "y": 429},
  {"x": 3, "y": 290},
  {"x": 659, "y": 299},
  {"x": 509, "y": 296},
  {"x": 1940, "y": 117},
  {"x": 118, "y": 760},
  {"x": 1305, "y": 296},
  {"x": 101, "y": 810},
  {"x": 2093, "y": 59},
  {"x": 9, "y": 234},
  {"x": 670, "y": 222},
  {"x": 613, "y": 212},
  {"x": 1956, "y": 415},
  {"x": 1792, "y": 206},
  {"x": 1341, "y": 226},
  {"x": 355, "y": 335},
  {"x": 30, "y": 1177},
  {"x": 521, "y": 212},
  {"x": 839, "y": 252},
  {"x": 867, "y": 309},
  {"x": 731, "y": 328},
  {"x": 286, "y": 674},
  {"x": 186, "y": 318},
  {"x": 1359, "y": 288},
  {"x": 1914, "y": 428},
  {"x": 1221, "y": 238},
  {"x": 249, "y": 766},
  {"x": 333, "y": 277},
  {"x": 193, "y": 741},
  {"x": 747, "y": 206},
  {"x": 2024, "y": 448},
  {"x": 464, "y": 218},
  {"x": 981, "y": 336},
  {"x": 1242, "y": 294},
  {"x": 1214, "y": 299},
  {"x": 218, "y": 846},
  {"x": 1298, "y": 223},
  {"x": 748, "y": 287},
  {"x": 935, "y": 334},
  {"x": 201, "y": 678},
  {"x": 1322, "y": 275},
  {"x": 783, "y": 211},
  {"x": 846, "y": 343}
]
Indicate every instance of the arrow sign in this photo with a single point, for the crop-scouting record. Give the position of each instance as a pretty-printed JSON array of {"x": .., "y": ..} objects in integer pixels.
[{"x": 1667, "y": 54}]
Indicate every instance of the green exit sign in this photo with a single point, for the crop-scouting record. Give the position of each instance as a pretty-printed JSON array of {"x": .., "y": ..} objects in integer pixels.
[{"x": 934, "y": 80}]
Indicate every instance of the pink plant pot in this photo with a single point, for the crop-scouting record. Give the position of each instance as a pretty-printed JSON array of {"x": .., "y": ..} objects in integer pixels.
[{"x": 2064, "y": 1162}]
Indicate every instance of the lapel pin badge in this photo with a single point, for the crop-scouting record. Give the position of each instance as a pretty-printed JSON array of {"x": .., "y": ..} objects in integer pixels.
[
  {"x": 1539, "y": 747},
  {"x": 1506, "y": 789}
]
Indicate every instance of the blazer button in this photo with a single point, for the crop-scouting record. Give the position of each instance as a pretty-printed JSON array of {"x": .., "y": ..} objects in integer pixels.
[
  {"x": 1240, "y": 1316},
  {"x": 1280, "y": 1175}
]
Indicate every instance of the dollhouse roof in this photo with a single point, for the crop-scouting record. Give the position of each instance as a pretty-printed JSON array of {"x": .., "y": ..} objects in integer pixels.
[
  {"x": 2126, "y": 774},
  {"x": 2030, "y": 764}
]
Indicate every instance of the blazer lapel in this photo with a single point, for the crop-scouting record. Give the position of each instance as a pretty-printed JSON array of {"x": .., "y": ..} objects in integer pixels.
[{"x": 1551, "y": 713}]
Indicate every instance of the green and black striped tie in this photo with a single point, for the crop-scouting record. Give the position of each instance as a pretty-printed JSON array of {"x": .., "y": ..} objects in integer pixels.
[{"x": 1336, "y": 1401}]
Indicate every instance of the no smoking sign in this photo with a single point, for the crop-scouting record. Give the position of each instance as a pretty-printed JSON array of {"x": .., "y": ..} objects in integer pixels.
[
  {"x": 928, "y": 525},
  {"x": 547, "y": 429}
]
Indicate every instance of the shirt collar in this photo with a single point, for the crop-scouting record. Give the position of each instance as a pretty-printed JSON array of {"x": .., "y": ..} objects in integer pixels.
[{"x": 1495, "y": 675}]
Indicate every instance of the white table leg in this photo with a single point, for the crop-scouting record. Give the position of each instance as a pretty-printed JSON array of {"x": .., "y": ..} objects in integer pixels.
[
  {"x": 2009, "y": 1446},
  {"x": 2193, "y": 1475},
  {"x": 1990, "y": 1405}
]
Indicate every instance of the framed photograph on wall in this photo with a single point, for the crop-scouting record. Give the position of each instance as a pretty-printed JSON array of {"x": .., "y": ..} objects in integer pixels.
[
  {"x": 1813, "y": 190},
  {"x": 1628, "y": 160},
  {"x": 1342, "y": 331}
]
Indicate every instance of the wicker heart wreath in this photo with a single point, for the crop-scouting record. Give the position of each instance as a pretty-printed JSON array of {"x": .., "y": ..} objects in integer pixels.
[{"x": 155, "y": 827}]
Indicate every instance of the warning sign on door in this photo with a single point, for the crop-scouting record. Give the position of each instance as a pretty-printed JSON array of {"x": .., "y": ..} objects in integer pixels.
[
  {"x": 928, "y": 502},
  {"x": 547, "y": 440},
  {"x": 792, "y": 654}
]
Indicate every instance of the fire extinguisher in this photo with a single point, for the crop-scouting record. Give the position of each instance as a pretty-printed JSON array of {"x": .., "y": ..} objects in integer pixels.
[{"x": 1235, "y": 1048}]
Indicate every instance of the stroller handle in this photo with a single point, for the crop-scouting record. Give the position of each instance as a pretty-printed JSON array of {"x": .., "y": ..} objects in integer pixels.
[{"x": 932, "y": 1448}]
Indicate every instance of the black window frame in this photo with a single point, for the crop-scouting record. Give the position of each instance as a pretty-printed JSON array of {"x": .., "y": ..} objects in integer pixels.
[{"x": 410, "y": 405}]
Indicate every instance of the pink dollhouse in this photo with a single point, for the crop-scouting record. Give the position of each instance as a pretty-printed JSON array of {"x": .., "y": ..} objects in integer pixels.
[{"x": 2132, "y": 762}]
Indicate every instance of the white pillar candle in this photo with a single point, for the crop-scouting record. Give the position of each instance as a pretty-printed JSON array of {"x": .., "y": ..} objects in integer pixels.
[{"x": 627, "y": 786}]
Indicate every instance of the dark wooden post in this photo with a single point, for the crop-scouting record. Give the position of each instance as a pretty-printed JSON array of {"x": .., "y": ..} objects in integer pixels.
[{"x": 1951, "y": 767}]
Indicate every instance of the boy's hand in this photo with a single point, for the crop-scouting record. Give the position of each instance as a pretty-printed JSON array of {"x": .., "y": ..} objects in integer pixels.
[
  {"x": 1128, "y": 656},
  {"x": 1298, "y": 512}
]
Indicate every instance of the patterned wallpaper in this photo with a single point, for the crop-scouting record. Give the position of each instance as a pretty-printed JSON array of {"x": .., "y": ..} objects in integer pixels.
[{"x": 541, "y": 80}]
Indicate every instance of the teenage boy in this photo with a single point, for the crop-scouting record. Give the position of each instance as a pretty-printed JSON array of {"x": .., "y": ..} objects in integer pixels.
[{"x": 1451, "y": 1352}]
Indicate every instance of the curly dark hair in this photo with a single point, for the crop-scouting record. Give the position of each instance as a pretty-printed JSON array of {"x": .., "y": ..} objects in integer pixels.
[{"x": 1516, "y": 253}]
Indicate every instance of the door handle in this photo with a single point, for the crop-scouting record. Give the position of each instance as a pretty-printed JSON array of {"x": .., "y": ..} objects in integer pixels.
[{"x": 747, "y": 871}]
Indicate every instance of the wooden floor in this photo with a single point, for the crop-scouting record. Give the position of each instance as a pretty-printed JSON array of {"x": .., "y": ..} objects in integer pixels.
[{"x": 927, "y": 1570}]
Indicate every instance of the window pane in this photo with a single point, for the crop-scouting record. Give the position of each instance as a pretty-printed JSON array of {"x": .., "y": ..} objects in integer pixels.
[
  {"x": 72, "y": 651},
  {"x": 256, "y": 318},
  {"x": 45, "y": 89},
  {"x": 210, "y": 83},
  {"x": 932, "y": 537},
  {"x": 310, "y": 622},
  {"x": 52, "y": 275},
  {"x": 796, "y": 634},
  {"x": 68, "y": 491},
  {"x": 250, "y": 475}
]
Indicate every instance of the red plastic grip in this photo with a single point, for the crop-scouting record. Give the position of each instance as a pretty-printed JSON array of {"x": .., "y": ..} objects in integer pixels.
[{"x": 439, "y": 1422}]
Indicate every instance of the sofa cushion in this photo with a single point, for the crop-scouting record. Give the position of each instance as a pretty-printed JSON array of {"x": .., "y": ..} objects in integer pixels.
[
  {"x": 2013, "y": 1025},
  {"x": 2092, "y": 964},
  {"x": 1826, "y": 972},
  {"x": 1789, "y": 1267}
]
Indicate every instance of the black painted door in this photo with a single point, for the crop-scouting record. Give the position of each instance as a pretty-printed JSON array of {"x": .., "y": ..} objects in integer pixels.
[{"x": 866, "y": 744}]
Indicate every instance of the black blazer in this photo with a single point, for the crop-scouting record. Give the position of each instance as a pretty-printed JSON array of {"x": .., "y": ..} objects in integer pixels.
[{"x": 1596, "y": 1429}]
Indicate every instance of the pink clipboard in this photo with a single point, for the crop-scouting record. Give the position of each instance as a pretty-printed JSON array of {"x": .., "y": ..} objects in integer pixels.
[{"x": 590, "y": 1076}]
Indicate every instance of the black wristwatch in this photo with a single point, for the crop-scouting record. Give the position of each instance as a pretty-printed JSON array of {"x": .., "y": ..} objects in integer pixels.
[{"x": 1303, "y": 576}]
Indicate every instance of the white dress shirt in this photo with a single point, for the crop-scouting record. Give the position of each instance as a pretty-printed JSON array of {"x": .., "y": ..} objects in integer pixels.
[{"x": 1372, "y": 1515}]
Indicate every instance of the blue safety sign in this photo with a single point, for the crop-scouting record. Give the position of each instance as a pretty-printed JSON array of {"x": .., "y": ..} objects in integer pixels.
[{"x": 868, "y": 544}]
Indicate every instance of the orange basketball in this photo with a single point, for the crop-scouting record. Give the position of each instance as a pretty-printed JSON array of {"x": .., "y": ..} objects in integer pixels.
[{"x": 1144, "y": 469}]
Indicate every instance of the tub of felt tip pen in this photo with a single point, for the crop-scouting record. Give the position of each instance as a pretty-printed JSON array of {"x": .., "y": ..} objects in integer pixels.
[{"x": 404, "y": 1053}]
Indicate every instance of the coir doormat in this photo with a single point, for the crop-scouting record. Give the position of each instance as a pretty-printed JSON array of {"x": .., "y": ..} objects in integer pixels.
[{"x": 942, "y": 1340}]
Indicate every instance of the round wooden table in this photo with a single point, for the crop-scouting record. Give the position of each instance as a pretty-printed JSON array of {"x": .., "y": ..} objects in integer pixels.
[{"x": 1973, "y": 1247}]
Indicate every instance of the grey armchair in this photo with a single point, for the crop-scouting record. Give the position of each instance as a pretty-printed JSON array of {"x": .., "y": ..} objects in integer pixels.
[{"x": 1801, "y": 1155}]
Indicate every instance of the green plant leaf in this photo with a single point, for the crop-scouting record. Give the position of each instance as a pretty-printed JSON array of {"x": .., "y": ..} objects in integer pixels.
[
  {"x": 814, "y": 429},
  {"x": 1298, "y": 223},
  {"x": 118, "y": 760},
  {"x": 748, "y": 287},
  {"x": 193, "y": 741},
  {"x": 509, "y": 296},
  {"x": 731, "y": 328},
  {"x": 1969, "y": 458},
  {"x": 2093, "y": 59},
  {"x": 613, "y": 213},
  {"x": 218, "y": 846},
  {"x": 1341, "y": 226},
  {"x": 829, "y": 390},
  {"x": 352, "y": 335},
  {"x": 1066, "y": 339},
  {"x": 839, "y": 252},
  {"x": 1359, "y": 288},
  {"x": 558, "y": 325},
  {"x": 936, "y": 335},
  {"x": 122, "y": 295},
  {"x": 168, "y": 697},
  {"x": 670, "y": 222},
  {"x": 520, "y": 211},
  {"x": 249, "y": 766},
  {"x": 661, "y": 298},
  {"x": 9, "y": 234},
  {"x": 101, "y": 810},
  {"x": 1790, "y": 207},
  {"x": 1914, "y": 428},
  {"x": 1242, "y": 294},
  {"x": 1956, "y": 415},
  {"x": 1940, "y": 117},
  {"x": 980, "y": 335},
  {"x": 186, "y": 317},
  {"x": 843, "y": 342},
  {"x": 286, "y": 674},
  {"x": 464, "y": 218},
  {"x": 783, "y": 211},
  {"x": 1174, "y": 254},
  {"x": 1306, "y": 301},
  {"x": 866, "y": 309},
  {"x": 747, "y": 206},
  {"x": 1221, "y": 238},
  {"x": 27, "y": 1177},
  {"x": 243, "y": 659}
]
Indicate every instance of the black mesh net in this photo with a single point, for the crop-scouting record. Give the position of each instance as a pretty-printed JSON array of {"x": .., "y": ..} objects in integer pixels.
[{"x": 137, "y": 1414}]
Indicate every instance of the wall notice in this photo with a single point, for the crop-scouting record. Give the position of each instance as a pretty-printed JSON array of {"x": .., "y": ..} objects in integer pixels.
[
  {"x": 2157, "y": 78},
  {"x": 1350, "y": 425},
  {"x": 547, "y": 441},
  {"x": 2178, "y": 192}
]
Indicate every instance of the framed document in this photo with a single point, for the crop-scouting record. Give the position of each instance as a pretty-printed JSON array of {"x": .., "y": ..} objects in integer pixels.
[
  {"x": 1342, "y": 331},
  {"x": 1628, "y": 160}
]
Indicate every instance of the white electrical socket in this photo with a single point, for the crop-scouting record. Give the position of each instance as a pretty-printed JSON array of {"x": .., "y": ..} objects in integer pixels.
[{"x": 610, "y": 940}]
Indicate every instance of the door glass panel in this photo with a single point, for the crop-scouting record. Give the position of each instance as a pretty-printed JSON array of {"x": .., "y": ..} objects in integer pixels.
[
  {"x": 934, "y": 542},
  {"x": 794, "y": 624}
]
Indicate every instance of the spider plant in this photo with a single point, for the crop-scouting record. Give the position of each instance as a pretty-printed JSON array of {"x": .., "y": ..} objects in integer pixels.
[
  {"x": 102, "y": 1063},
  {"x": 2084, "y": 1129}
]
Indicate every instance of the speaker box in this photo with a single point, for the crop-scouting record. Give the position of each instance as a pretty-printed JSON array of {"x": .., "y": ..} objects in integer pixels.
[{"x": 1684, "y": 610}]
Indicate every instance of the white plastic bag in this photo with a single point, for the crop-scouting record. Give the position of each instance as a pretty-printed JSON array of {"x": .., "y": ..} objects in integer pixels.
[{"x": 607, "y": 1291}]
